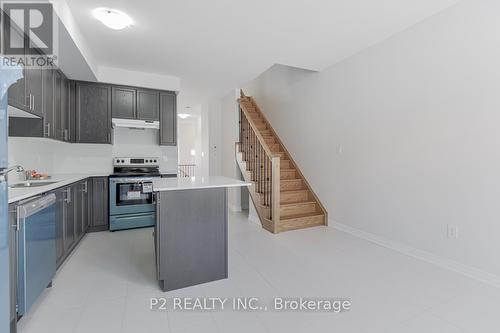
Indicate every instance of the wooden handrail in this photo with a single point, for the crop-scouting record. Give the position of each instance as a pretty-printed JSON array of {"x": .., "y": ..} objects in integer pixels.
[
  {"x": 257, "y": 132},
  {"x": 263, "y": 165}
]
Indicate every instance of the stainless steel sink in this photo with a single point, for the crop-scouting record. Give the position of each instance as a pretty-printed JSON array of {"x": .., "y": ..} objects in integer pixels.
[{"x": 30, "y": 184}]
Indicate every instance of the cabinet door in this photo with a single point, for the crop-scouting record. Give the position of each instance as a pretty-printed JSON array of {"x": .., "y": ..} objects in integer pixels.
[
  {"x": 58, "y": 114},
  {"x": 85, "y": 206},
  {"x": 65, "y": 108},
  {"x": 69, "y": 222},
  {"x": 48, "y": 103},
  {"x": 93, "y": 116},
  {"x": 17, "y": 91},
  {"x": 168, "y": 119},
  {"x": 60, "y": 218},
  {"x": 99, "y": 204},
  {"x": 148, "y": 105},
  {"x": 123, "y": 103},
  {"x": 78, "y": 189},
  {"x": 34, "y": 87}
]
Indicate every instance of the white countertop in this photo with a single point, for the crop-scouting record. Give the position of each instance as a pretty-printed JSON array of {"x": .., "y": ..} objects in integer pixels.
[
  {"x": 17, "y": 194},
  {"x": 187, "y": 183}
]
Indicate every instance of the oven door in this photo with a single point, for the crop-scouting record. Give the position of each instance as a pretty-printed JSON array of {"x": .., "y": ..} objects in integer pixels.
[{"x": 130, "y": 195}]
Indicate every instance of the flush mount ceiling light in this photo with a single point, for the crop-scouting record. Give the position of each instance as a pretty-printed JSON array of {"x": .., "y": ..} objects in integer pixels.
[
  {"x": 112, "y": 18},
  {"x": 183, "y": 115}
]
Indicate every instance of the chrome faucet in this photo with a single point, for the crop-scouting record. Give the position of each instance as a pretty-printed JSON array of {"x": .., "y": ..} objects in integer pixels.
[{"x": 3, "y": 173}]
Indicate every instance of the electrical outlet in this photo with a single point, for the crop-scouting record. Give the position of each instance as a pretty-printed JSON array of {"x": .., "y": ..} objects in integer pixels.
[{"x": 452, "y": 232}]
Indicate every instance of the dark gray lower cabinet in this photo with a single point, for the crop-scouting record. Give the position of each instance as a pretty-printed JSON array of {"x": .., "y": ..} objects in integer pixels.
[
  {"x": 82, "y": 208},
  {"x": 92, "y": 113},
  {"x": 98, "y": 204},
  {"x": 60, "y": 218},
  {"x": 168, "y": 119},
  {"x": 69, "y": 223}
]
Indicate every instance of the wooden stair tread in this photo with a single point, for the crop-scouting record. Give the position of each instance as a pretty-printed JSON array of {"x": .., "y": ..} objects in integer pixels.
[
  {"x": 298, "y": 216},
  {"x": 293, "y": 191},
  {"x": 307, "y": 202}
]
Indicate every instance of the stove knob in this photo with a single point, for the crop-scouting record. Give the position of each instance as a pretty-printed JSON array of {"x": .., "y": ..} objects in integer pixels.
[
  {"x": 155, "y": 161},
  {"x": 117, "y": 161},
  {"x": 123, "y": 161}
]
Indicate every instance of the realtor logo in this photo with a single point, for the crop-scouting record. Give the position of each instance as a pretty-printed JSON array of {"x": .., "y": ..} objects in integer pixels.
[{"x": 27, "y": 26}]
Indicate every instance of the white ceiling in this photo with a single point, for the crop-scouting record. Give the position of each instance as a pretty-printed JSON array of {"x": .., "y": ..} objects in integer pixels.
[{"x": 216, "y": 45}]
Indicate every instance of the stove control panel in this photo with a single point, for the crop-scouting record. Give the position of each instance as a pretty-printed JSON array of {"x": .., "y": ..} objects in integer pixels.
[{"x": 136, "y": 161}]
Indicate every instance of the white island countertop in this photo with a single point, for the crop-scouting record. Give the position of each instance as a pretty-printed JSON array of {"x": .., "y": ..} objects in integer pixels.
[{"x": 191, "y": 183}]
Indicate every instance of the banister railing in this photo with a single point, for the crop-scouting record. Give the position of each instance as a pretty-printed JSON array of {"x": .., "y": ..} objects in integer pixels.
[
  {"x": 262, "y": 163},
  {"x": 186, "y": 170}
]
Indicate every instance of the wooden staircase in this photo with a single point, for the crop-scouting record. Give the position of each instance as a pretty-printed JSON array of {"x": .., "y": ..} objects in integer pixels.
[{"x": 283, "y": 198}]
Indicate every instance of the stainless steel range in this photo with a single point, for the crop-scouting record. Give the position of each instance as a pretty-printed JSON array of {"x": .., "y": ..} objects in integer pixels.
[{"x": 131, "y": 200}]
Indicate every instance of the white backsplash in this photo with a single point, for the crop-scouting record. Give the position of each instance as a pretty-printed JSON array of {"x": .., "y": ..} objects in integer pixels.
[{"x": 54, "y": 157}]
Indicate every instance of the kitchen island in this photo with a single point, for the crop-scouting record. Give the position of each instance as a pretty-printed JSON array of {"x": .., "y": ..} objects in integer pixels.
[{"x": 191, "y": 230}]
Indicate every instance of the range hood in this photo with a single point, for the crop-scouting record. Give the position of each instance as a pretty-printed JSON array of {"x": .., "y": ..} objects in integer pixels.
[{"x": 132, "y": 123}]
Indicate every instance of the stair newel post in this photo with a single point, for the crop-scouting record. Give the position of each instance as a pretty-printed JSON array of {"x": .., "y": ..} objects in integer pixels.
[{"x": 276, "y": 193}]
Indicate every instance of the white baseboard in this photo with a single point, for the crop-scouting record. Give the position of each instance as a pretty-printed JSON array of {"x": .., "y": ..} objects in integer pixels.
[{"x": 452, "y": 265}]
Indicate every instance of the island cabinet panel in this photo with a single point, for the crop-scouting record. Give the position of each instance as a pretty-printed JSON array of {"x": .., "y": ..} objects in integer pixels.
[{"x": 191, "y": 237}]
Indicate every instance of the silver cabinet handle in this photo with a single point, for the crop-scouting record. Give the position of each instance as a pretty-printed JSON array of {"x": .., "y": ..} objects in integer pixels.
[
  {"x": 65, "y": 134},
  {"x": 68, "y": 195},
  {"x": 84, "y": 187},
  {"x": 47, "y": 127},
  {"x": 33, "y": 103}
]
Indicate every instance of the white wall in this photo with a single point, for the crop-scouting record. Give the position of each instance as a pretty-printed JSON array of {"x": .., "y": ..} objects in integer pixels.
[
  {"x": 54, "y": 157},
  {"x": 229, "y": 136},
  {"x": 213, "y": 125},
  {"x": 402, "y": 139}
]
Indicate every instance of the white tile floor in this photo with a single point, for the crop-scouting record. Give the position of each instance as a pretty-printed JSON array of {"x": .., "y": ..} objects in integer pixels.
[{"x": 107, "y": 284}]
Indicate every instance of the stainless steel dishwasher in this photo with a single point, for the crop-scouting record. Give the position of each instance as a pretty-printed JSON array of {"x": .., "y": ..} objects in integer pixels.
[{"x": 36, "y": 251}]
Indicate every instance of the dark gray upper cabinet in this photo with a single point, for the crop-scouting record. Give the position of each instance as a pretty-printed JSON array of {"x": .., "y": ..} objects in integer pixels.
[
  {"x": 48, "y": 103},
  {"x": 33, "y": 76},
  {"x": 58, "y": 111},
  {"x": 93, "y": 113},
  {"x": 17, "y": 91},
  {"x": 148, "y": 104},
  {"x": 65, "y": 115},
  {"x": 123, "y": 102},
  {"x": 26, "y": 94},
  {"x": 168, "y": 119}
]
